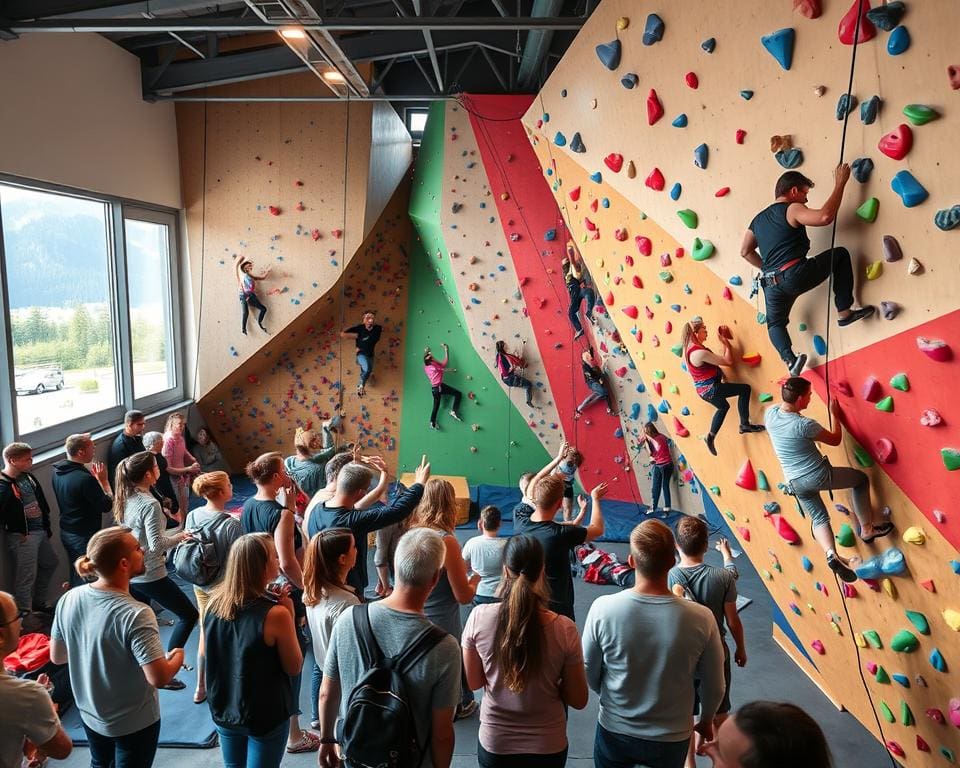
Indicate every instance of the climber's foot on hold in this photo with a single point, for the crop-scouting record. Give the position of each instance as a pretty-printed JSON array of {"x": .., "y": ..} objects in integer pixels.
[
  {"x": 361, "y": 391},
  {"x": 434, "y": 426},
  {"x": 709, "y": 441},
  {"x": 836, "y": 564},
  {"x": 856, "y": 314},
  {"x": 798, "y": 363},
  {"x": 876, "y": 532}
]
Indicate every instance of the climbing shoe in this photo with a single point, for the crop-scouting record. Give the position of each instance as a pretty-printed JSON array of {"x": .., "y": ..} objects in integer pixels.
[
  {"x": 710, "y": 446},
  {"x": 798, "y": 363},
  {"x": 856, "y": 314},
  {"x": 841, "y": 569},
  {"x": 744, "y": 428}
]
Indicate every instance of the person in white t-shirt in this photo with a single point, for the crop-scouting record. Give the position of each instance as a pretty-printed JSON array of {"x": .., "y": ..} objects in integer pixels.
[{"x": 484, "y": 555}]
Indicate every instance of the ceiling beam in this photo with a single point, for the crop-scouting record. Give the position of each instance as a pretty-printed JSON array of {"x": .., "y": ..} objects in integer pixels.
[
  {"x": 537, "y": 45},
  {"x": 428, "y": 39}
]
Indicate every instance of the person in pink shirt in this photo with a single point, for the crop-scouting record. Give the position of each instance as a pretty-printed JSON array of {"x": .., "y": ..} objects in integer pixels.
[
  {"x": 659, "y": 447},
  {"x": 529, "y": 662},
  {"x": 435, "y": 369},
  {"x": 181, "y": 464}
]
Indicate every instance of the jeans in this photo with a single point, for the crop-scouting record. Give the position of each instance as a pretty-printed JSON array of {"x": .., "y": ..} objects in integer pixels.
[
  {"x": 34, "y": 563},
  {"x": 439, "y": 392},
  {"x": 577, "y": 294},
  {"x": 717, "y": 397},
  {"x": 516, "y": 380},
  {"x": 808, "y": 487},
  {"x": 490, "y": 760},
  {"x": 798, "y": 280},
  {"x": 241, "y": 749},
  {"x": 366, "y": 367},
  {"x": 614, "y": 750},
  {"x": 247, "y": 301},
  {"x": 598, "y": 391},
  {"x": 166, "y": 592},
  {"x": 661, "y": 483},
  {"x": 76, "y": 546},
  {"x": 135, "y": 750},
  {"x": 316, "y": 680}
]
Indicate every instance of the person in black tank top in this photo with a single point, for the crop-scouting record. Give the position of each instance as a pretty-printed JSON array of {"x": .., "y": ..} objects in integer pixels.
[{"x": 779, "y": 233}]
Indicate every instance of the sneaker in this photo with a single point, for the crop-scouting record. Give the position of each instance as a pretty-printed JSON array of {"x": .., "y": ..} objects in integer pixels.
[
  {"x": 308, "y": 742},
  {"x": 710, "y": 446},
  {"x": 465, "y": 710},
  {"x": 798, "y": 364},
  {"x": 841, "y": 569},
  {"x": 456, "y": 415},
  {"x": 175, "y": 685},
  {"x": 434, "y": 426},
  {"x": 857, "y": 314},
  {"x": 578, "y": 334},
  {"x": 744, "y": 428}
]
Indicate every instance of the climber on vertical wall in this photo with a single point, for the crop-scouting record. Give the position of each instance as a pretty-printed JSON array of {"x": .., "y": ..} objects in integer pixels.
[
  {"x": 596, "y": 380},
  {"x": 807, "y": 471},
  {"x": 579, "y": 288},
  {"x": 704, "y": 366},
  {"x": 779, "y": 232},
  {"x": 247, "y": 285},
  {"x": 511, "y": 368},
  {"x": 435, "y": 369},
  {"x": 367, "y": 334}
]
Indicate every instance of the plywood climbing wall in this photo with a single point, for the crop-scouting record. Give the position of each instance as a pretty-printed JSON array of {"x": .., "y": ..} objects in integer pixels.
[{"x": 708, "y": 80}]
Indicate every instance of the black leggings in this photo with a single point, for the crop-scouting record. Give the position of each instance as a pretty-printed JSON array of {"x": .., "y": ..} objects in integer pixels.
[
  {"x": 439, "y": 392},
  {"x": 246, "y": 302},
  {"x": 516, "y": 380},
  {"x": 718, "y": 395},
  {"x": 166, "y": 592}
]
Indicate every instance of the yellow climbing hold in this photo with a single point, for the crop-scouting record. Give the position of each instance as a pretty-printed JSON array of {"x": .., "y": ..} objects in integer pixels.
[
  {"x": 622, "y": 23},
  {"x": 858, "y": 639},
  {"x": 952, "y": 618},
  {"x": 874, "y": 270},
  {"x": 889, "y": 588},
  {"x": 914, "y": 535}
]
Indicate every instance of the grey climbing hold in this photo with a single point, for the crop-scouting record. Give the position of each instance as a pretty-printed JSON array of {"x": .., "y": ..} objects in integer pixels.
[
  {"x": 948, "y": 218},
  {"x": 576, "y": 143},
  {"x": 861, "y": 168},
  {"x": 791, "y": 158},
  {"x": 869, "y": 110},
  {"x": 700, "y": 156},
  {"x": 746, "y": 95},
  {"x": 891, "y": 249},
  {"x": 455, "y": 208},
  {"x": 709, "y": 45},
  {"x": 845, "y": 105},
  {"x": 629, "y": 80},
  {"x": 609, "y": 54},
  {"x": 886, "y": 17},
  {"x": 889, "y": 309},
  {"x": 653, "y": 31}
]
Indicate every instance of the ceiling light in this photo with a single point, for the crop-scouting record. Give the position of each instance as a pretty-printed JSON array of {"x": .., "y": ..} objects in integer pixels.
[
  {"x": 292, "y": 33},
  {"x": 332, "y": 76}
]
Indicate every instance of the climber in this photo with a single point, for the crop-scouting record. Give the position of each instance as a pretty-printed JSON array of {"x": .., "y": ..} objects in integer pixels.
[
  {"x": 367, "y": 334},
  {"x": 434, "y": 369},
  {"x": 247, "y": 284},
  {"x": 807, "y": 471},
  {"x": 511, "y": 368},
  {"x": 579, "y": 288},
  {"x": 779, "y": 232},
  {"x": 704, "y": 367},
  {"x": 596, "y": 380}
]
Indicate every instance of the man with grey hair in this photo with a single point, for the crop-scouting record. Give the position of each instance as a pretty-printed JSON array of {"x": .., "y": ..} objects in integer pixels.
[
  {"x": 397, "y": 622},
  {"x": 163, "y": 490},
  {"x": 341, "y": 511}
]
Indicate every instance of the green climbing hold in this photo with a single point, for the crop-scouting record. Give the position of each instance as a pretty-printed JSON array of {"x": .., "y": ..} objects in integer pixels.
[
  {"x": 885, "y": 405},
  {"x": 906, "y": 716},
  {"x": 864, "y": 459},
  {"x": 762, "y": 484},
  {"x": 765, "y": 397},
  {"x": 715, "y": 490},
  {"x": 845, "y": 536},
  {"x": 919, "y": 621},
  {"x": 802, "y": 327},
  {"x": 689, "y": 218},
  {"x": 920, "y": 114},
  {"x": 951, "y": 458},
  {"x": 659, "y": 375},
  {"x": 901, "y": 382},
  {"x": 730, "y": 515},
  {"x": 667, "y": 277},
  {"x": 886, "y": 713},
  {"x": 948, "y": 754},
  {"x": 702, "y": 249},
  {"x": 871, "y": 636},
  {"x": 868, "y": 211},
  {"x": 677, "y": 349},
  {"x": 904, "y": 642},
  {"x": 657, "y": 298},
  {"x": 881, "y": 676}
]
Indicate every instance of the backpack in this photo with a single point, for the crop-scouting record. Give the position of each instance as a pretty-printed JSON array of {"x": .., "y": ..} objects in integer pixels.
[
  {"x": 196, "y": 559},
  {"x": 378, "y": 729}
]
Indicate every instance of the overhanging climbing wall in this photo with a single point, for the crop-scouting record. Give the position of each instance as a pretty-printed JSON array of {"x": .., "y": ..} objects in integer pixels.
[{"x": 704, "y": 78}]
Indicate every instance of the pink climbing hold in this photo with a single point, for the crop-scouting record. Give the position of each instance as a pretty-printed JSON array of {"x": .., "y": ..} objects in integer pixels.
[
  {"x": 744, "y": 533},
  {"x": 574, "y": 194},
  {"x": 872, "y": 667},
  {"x": 844, "y": 388},
  {"x": 895, "y": 749},
  {"x": 594, "y": 205},
  {"x": 608, "y": 300},
  {"x": 628, "y": 260},
  {"x": 654, "y": 107},
  {"x": 337, "y": 233},
  {"x": 274, "y": 210},
  {"x": 632, "y": 312},
  {"x": 782, "y": 527},
  {"x": 746, "y": 477},
  {"x": 722, "y": 192},
  {"x": 848, "y": 24},
  {"x": 614, "y": 162},
  {"x": 953, "y": 73},
  {"x": 897, "y": 143},
  {"x": 935, "y": 349},
  {"x": 665, "y": 260},
  {"x": 692, "y": 80},
  {"x": 637, "y": 282},
  {"x": 648, "y": 312},
  {"x": 818, "y": 647},
  {"x": 954, "y": 713},
  {"x": 655, "y": 180},
  {"x": 741, "y": 135},
  {"x": 657, "y": 386},
  {"x": 620, "y": 234},
  {"x": 315, "y": 234},
  {"x": 727, "y": 293},
  {"x": 849, "y": 591},
  {"x": 930, "y": 417},
  {"x": 644, "y": 245},
  {"x": 871, "y": 391},
  {"x": 668, "y": 327},
  {"x": 621, "y": 372},
  {"x": 679, "y": 429},
  {"x": 937, "y": 716},
  {"x": 809, "y": 9},
  {"x": 886, "y": 452}
]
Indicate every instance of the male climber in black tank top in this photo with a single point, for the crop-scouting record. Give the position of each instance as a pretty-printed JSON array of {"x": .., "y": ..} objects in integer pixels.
[{"x": 779, "y": 232}]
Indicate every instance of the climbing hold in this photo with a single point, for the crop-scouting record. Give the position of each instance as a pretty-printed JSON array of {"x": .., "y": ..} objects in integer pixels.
[
  {"x": 871, "y": 636},
  {"x": 550, "y": 235},
  {"x": 753, "y": 360},
  {"x": 914, "y": 267},
  {"x": 930, "y": 418},
  {"x": 874, "y": 270},
  {"x": 790, "y": 158},
  {"x": 901, "y": 679},
  {"x": 863, "y": 458},
  {"x": 899, "y": 41},
  {"x": 727, "y": 294},
  {"x": 809, "y": 9},
  {"x": 889, "y": 309},
  {"x": 709, "y": 45},
  {"x": 951, "y": 458},
  {"x": 910, "y": 190},
  {"x": 818, "y": 647},
  {"x": 574, "y": 194},
  {"x": 849, "y": 28},
  {"x": 622, "y": 23},
  {"x": 885, "y": 405},
  {"x": 806, "y": 564},
  {"x": 920, "y": 114},
  {"x": 702, "y": 249},
  {"x": 919, "y": 621},
  {"x": 782, "y": 527},
  {"x": 869, "y": 209},
  {"x": 629, "y": 80},
  {"x": 869, "y": 110},
  {"x": 576, "y": 143},
  {"x": 885, "y": 450},
  {"x": 891, "y": 249},
  {"x": 820, "y": 345},
  {"x": 935, "y": 349},
  {"x": 692, "y": 80},
  {"x": 655, "y": 180},
  {"x": 845, "y": 105},
  {"x": 653, "y": 31},
  {"x": 948, "y": 218},
  {"x": 895, "y": 749},
  {"x": 722, "y": 192},
  {"x": 740, "y": 135},
  {"x": 780, "y": 45},
  {"x": 888, "y": 563},
  {"x": 746, "y": 477},
  {"x": 689, "y": 218},
  {"x": 900, "y": 381},
  {"x": 819, "y": 90},
  {"x": 897, "y": 143},
  {"x": 904, "y": 642},
  {"x": 861, "y": 168},
  {"x": 609, "y": 54},
  {"x": 631, "y": 312},
  {"x": 922, "y": 745},
  {"x": 701, "y": 156},
  {"x": 654, "y": 107},
  {"x": 953, "y": 74},
  {"x": 631, "y": 170},
  {"x": 679, "y": 429},
  {"x": 675, "y": 191},
  {"x": 559, "y": 139},
  {"x": 746, "y": 95},
  {"x": 936, "y": 715},
  {"x": 644, "y": 245},
  {"x": 886, "y": 17},
  {"x": 845, "y": 536},
  {"x": 928, "y": 585},
  {"x": 871, "y": 390},
  {"x": 596, "y": 177},
  {"x": 620, "y": 234},
  {"x": 614, "y": 162}
]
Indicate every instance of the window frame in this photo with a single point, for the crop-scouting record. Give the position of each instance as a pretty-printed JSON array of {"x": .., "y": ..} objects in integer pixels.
[
  {"x": 408, "y": 113},
  {"x": 118, "y": 208}
]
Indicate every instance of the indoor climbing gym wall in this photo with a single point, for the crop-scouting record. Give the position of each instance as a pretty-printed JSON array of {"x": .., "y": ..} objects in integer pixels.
[{"x": 662, "y": 132}]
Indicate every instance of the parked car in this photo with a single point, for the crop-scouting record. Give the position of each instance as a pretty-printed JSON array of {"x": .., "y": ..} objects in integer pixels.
[{"x": 38, "y": 378}]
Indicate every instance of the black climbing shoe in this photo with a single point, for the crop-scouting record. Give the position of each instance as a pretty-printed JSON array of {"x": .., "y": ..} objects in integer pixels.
[
  {"x": 798, "y": 364},
  {"x": 843, "y": 571},
  {"x": 710, "y": 446},
  {"x": 856, "y": 314},
  {"x": 744, "y": 428}
]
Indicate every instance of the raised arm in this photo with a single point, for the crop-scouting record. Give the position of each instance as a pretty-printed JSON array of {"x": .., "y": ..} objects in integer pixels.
[
  {"x": 374, "y": 496},
  {"x": 799, "y": 214},
  {"x": 564, "y": 446},
  {"x": 596, "y": 527}
]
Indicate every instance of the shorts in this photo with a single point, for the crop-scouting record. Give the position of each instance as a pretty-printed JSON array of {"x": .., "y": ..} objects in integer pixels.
[
  {"x": 724, "y": 707},
  {"x": 567, "y": 490}
]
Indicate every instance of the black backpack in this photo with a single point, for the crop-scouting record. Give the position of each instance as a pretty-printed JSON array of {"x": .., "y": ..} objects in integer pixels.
[
  {"x": 196, "y": 559},
  {"x": 378, "y": 729}
]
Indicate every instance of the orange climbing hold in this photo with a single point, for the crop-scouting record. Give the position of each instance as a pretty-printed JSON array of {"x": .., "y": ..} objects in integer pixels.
[
  {"x": 928, "y": 585},
  {"x": 746, "y": 477}
]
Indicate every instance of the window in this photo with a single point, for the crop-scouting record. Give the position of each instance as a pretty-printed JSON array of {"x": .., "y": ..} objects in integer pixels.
[
  {"x": 416, "y": 120},
  {"x": 85, "y": 343}
]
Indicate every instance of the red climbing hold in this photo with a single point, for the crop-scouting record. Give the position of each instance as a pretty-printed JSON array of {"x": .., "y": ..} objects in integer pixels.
[
  {"x": 591, "y": 227},
  {"x": 654, "y": 107},
  {"x": 614, "y": 162},
  {"x": 896, "y": 749},
  {"x": 848, "y": 24},
  {"x": 849, "y": 591},
  {"x": 781, "y": 526},
  {"x": 953, "y": 73},
  {"x": 741, "y": 135},
  {"x": 692, "y": 80},
  {"x": 678, "y": 254},
  {"x": 746, "y": 477},
  {"x": 621, "y": 372},
  {"x": 644, "y": 245},
  {"x": 922, "y": 746},
  {"x": 620, "y": 234},
  {"x": 897, "y": 143},
  {"x": 722, "y": 192},
  {"x": 632, "y": 312},
  {"x": 655, "y": 180},
  {"x": 274, "y": 210},
  {"x": 337, "y": 233},
  {"x": 809, "y": 9},
  {"x": 744, "y": 533},
  {"x": 928, "y": 585},
  {"x": 253, "y": 379},
  {"x": 679, "y": 429},
  {"x": 657, "y": 386},
  {"x": 574, "y": 194},
  {"x": 637, "y": 282},
  {"x": 628, "y": 260},
  {"x": 886, "y": 451},
  {"x": 594, "y": 205},
  {"x": 609, "y": 299},
  {"x": 844, "y": 388},
  {"x": 727, "y": 293},
  {"x": 315, "y": 234}
]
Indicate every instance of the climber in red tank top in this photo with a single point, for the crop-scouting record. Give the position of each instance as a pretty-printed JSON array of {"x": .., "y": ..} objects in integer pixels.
[{"x": 704, "y": 367}]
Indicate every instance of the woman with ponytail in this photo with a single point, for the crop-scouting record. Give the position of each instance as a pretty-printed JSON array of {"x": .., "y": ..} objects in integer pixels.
[
  {"x": 529, "y": 663},
  {"x": 136, "y": 508}
]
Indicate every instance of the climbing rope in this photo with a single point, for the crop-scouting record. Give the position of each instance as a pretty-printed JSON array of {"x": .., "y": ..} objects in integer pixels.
[
  {"x": 203, "y": 250},
  {"x": 342, "y": 259}
]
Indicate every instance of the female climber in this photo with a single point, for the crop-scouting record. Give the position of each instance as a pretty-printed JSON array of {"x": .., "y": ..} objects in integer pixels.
[
  {"x": 435, "y": 369},
  {"x": 659, "y": 447},
  {"x": 511, "y": 368},
  {"x": 579, "y": 288},
  {"x": 596, "y": 380},
  {"x": 247, "y": 284},
  {"x": 704, "y": 367}
]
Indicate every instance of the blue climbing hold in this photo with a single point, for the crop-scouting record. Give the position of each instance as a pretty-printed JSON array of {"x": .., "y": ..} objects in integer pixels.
[
  {"x": 560, "y": 140},
  {"x": 888, "y": 563},
  {"x": 675, "y": 307},
  {"x": 576, "y": 143},
  {"x": 790, "y": 158},
  {"x": 651, "y": 412},
  {"x": 550, "y": 235},
  {"x": 684, "y": 411},
  {"x": 709, "y": 45},
  {"x": 807, "y": 565},
  {"x": 596, "y": 177},
  {"x": 746, "y": 95},
  {"x": 700, "y": 156},
  {"x": 948, "y": 218},
  {"x": 653, "y": 31},
  {"x": 641, "y": 387},
  {"x": 635, "y": 411},
  {"x": 898, "y": 42},
  {"x": 820, "y": 345},
  {"x": 680, "y": 121},
  {"x": 861, "y": 168},
  {"x": 675, "y": 191},
  {"x": 869, "y": 110},
  {"x": 886, "y": 17},
  {"x": 546, "y": 117},
  {"x": 904, "y": 680},
  {"x": 629, "y": 80},
  {"x": 954, "y": 564},
  {"x": 736, "y": 280},
  {"x": 780, "y": 46},
  {"x": 664, "y": 407},
  {"x": 845, "y": 105},
  {"x": 937, "y": 661},
  {"x": 910, "y": 190},
  {"x": 618, "y": 433},
  {"x": 605, "y": 202},
  {"x": 609, "y": 54}
]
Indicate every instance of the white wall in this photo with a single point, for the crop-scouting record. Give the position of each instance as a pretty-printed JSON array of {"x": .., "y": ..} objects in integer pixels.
[
  {"x": 73, "y": 114},
  {"x": 391, "y": 151}
]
